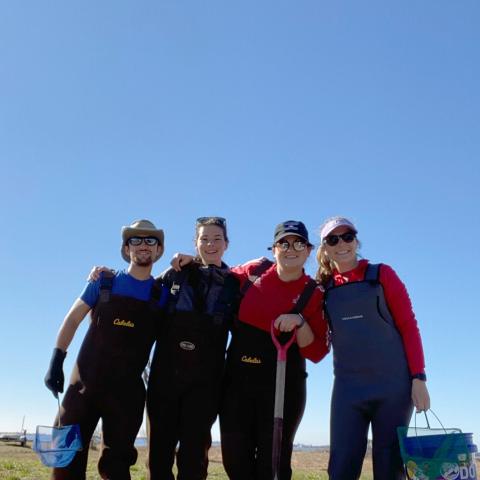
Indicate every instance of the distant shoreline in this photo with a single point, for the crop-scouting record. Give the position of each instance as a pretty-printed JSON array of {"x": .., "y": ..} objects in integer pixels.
[{"x": 299, "y": 447}]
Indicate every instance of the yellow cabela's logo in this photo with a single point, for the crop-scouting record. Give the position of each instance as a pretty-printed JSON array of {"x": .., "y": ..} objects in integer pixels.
[
  {"x": 123, "y": 323},
  {"x": 247, "y": 359}
]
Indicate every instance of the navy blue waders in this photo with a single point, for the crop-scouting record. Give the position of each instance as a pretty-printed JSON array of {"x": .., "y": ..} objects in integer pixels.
[
  {"x": 372, "y": 382},
  {"x": 188, "y": 363},
  {"x": 107, "y": 383}
]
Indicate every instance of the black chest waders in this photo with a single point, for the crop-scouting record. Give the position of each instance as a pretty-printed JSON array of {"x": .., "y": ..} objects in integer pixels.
[
  {"x": 372, "y": 382},
  {"x": 191, "y": 346},
  {"x": 107, "y": 384},
  {"x": 119, "y": 339},
  {"x": 187, "y": 368},
  {"x": 252, "y": 357}
]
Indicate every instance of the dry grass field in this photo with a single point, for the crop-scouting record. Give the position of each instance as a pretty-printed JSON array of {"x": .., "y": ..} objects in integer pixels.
[{"x": 17, "y": 463}]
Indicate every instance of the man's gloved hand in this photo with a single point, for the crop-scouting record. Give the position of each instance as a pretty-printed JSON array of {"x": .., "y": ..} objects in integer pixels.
[{"x": 54, "y": 378}]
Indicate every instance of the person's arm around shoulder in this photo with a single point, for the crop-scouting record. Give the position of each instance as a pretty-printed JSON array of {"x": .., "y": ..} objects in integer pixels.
[
  {"x": 54, "y": 378},
  {"x": 249, "y": 271},
  {"x": 96, "y": 271},
  {"x": 179, "y": 260}
]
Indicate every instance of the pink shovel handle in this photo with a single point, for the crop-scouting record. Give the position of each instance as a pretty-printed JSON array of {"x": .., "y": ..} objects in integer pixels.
[{"x": 282, "y": 349}]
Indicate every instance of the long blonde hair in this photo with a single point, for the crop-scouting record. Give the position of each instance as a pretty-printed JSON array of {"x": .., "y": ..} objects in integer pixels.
[{"x": 325, "y": 265}]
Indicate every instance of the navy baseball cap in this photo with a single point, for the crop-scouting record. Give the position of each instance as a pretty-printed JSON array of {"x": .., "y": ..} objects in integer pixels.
[{"x": 291, "y": 227}]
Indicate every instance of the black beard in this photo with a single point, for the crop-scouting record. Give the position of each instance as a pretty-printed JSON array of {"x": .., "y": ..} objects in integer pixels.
[{"x": 142, "y": 263}]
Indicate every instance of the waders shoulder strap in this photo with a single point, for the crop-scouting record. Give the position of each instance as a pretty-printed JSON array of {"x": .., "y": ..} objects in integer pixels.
[
  {"x": 372, "y": 273},
  {"x": 175, "y": 280},
  {"x": 226, "y": 304},
  {"x": 156, "y": 294},
  {"x": 305, "y": 296},
  {"x": 256, "y": 272},
  {"x": 106, "y": 284}
]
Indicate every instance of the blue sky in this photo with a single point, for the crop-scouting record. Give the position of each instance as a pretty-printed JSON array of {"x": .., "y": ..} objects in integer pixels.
[{"x": 256, "y": 111}]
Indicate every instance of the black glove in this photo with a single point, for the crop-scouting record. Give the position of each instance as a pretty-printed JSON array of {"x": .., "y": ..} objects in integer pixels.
[{"x": 54, "y": 378}]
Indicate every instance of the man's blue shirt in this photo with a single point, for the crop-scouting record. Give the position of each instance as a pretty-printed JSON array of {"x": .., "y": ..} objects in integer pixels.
[{"x": 125, "y": 285}]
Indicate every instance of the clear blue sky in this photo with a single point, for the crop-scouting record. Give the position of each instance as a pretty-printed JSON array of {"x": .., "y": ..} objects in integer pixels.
[{"x": 257, "y": 111}]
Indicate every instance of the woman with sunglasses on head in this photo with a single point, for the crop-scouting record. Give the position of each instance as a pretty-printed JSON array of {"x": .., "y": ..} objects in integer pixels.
[
  {"x": 378, "y": 356},
  {"x": 275, "y": 297},
  {"x": 188, "y": 362}
]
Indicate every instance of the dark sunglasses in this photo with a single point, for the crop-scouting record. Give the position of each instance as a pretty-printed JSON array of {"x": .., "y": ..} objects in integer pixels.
[
  {"x": 212, "y": 221},
  {"x": 332, "y": 240},
  {"x": 297, "y": 245},
  {"x": 136, "y": 241}
]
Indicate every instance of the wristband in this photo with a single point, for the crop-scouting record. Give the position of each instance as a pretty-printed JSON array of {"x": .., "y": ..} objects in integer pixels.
[
  {"x": 302, "y": 323},
  {"x": 420, "y": 376}
]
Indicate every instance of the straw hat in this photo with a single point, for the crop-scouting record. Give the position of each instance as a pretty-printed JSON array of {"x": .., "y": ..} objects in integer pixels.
[{"x": 142, "y": 228}]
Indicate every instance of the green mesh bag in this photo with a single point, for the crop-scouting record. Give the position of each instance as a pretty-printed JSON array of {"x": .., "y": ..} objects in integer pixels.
[{"x": 437, "y": 453}]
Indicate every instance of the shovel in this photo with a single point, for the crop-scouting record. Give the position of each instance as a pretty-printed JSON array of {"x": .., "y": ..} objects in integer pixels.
[{"x": 279, "y": 398}]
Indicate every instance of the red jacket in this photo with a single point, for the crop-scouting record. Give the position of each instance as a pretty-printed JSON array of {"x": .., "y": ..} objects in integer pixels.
[{"x": 268, "y": 297}]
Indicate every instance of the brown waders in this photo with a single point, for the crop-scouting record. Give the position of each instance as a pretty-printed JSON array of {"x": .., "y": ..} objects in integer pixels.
[{"x": 106, "y": 384}]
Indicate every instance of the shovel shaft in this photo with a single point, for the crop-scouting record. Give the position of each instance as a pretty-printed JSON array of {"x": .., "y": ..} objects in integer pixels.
[
  {"x": 276, "y": 446},
  {"x": 278, "y": 416},
  {"x": 279, "y": 399},
  {"x": 280, "y": 389}
]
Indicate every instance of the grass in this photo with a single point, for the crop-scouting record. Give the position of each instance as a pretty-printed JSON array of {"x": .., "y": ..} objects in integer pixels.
[{"x": 17, "y": 463}]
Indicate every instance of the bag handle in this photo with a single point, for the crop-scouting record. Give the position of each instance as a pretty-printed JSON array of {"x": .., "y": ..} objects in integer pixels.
[
  {"x": 428, "y": 423},
  {"x": 449, "y": 435}
]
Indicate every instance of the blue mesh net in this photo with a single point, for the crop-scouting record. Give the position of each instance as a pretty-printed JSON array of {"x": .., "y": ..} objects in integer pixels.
[{"x": 56, "y": 446}]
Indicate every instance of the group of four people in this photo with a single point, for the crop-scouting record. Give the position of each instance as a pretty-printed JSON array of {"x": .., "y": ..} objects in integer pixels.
[{"x": 362, "y": 310}]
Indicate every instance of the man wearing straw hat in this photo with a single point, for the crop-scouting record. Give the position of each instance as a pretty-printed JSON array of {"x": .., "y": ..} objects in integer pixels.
[{"x": 106, "y": 381}]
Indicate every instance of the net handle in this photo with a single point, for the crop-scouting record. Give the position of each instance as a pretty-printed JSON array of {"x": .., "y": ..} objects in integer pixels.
[
  {"x": 58, "y": 401},
  {"x": 426, "y": 419}
]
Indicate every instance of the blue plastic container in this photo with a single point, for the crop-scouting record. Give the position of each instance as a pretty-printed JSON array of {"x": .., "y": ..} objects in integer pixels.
[
  {"x": 427, "y": 446},
  {"x": 446, "y": 456}
]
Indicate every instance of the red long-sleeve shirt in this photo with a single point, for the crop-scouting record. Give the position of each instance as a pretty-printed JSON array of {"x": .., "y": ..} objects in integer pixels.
[
  {"x": 269, "y": 297},
  {"x": 400, "y": 307}
]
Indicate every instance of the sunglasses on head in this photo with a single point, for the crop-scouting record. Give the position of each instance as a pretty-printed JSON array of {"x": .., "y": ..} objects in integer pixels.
[
  {"x": 297, "y": 245},
  {"x": 136, "y": 241},
  {"x": 332, "y": 240},
  {"x": 212, "y": 221}
]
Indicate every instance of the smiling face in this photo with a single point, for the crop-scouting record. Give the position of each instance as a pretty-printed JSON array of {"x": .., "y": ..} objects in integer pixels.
[
  {"x": 211, "y": 244},
  {"x": 290, "y": 260},
  {"x": 343, "y": 254},
  {"x": 142, "y": 255}
]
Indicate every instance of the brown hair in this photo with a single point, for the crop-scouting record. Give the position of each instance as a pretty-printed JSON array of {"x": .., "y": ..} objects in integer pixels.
[{"x": 217, "y": 221}]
